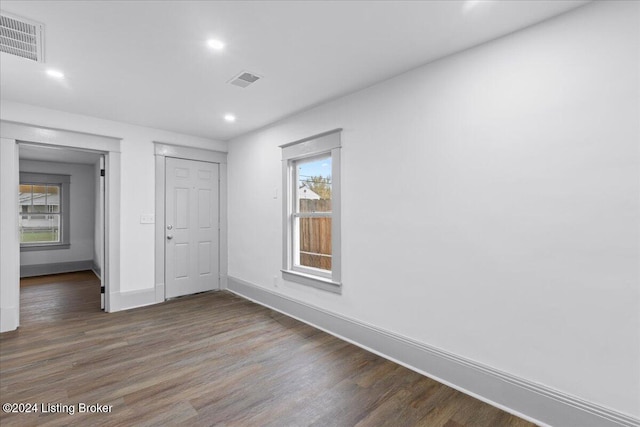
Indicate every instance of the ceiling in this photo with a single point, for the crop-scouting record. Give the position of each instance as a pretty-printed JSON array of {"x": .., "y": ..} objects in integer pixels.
[
  {"x": 58, "y": 155},
  {"x": 148, "y": 63}
]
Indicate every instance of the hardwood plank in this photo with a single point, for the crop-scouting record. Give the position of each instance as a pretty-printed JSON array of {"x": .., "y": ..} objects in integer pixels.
[{"x": 207, "y": 359}]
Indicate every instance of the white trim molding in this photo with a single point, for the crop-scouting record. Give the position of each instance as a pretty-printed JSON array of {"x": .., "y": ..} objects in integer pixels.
[
  {"x": 166, "y": 149},
  {"x": 327, "y": 143},
  {"x": 162, "y": 150},
  {"x": 10, "y": 242},
  {"x": 27, "y": 132},
  {"x": 526, "y": 399},
  {"x": 314, "y": 281},
  {"x": 132, "y": 299},
  {"x": 14, "y": 133}
]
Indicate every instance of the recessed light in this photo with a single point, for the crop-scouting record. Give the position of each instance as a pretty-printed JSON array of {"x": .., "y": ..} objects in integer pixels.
[
  {"x": 230, "y": 117},
  {"x": 55, "y": 73},
  {"x": 215, "y": 44}
]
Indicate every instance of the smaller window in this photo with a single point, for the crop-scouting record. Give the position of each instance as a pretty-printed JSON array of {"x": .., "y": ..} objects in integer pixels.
[
  {"x": 311, "y": 214},
  {"x": 43, "y": 218}
]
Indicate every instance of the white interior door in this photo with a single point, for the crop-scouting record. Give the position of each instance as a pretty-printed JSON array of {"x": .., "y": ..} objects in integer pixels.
[{"x": 191, "y": 227}]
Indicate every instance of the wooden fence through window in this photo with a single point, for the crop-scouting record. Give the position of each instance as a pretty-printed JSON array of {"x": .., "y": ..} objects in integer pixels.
[{"x": 315, "y": 235}]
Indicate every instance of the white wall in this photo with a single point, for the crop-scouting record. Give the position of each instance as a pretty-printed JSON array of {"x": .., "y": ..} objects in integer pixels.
[
  {"x": 497, "y": 204},
  {"x": 137, "y": 177},
  {"x": 82, "y": 201}
]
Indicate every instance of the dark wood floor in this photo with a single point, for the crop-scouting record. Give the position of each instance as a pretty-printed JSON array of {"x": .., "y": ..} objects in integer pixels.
[
  {"x": 204, "y": 360},
  {"x": 59, "y": 297}
]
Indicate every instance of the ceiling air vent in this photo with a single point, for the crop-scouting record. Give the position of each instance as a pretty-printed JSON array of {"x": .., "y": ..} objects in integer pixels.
[
  {"x": 21, "y": 37},
  {"x": 244, "y": 79}
]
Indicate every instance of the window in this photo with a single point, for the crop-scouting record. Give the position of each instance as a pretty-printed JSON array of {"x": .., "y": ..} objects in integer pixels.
[
  {"x": 43, "y": 218},
  {"x": 311, "y": 214}
]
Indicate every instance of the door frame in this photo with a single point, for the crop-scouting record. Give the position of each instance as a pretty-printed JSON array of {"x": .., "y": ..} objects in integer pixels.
[
  {"x": 11, "y": 134},
  {"x": 162, "y": 150}
]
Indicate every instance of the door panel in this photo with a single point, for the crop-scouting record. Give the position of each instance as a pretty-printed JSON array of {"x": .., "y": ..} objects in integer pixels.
[
  {"x": 204, "y": 258},
  {"x": 191, "y": 228},
  {"x": 181, "y": 260},
  {"x": 204, "y": 207},
  {"x": 181, "y": 207}
]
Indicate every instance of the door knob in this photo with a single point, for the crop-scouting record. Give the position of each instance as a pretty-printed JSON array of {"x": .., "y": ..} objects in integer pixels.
[
  {"x": 169, "y": 227},
  {"x": 169, "y": 237}
]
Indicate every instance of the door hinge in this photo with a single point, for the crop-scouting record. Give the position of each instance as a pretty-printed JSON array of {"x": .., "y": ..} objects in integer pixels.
[{"x": 101, "y": 172}]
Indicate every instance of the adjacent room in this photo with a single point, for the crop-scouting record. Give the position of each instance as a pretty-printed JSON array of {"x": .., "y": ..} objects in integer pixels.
[
  {"x": 320, "y": 213},
  {"x": 61, "y": 226}
]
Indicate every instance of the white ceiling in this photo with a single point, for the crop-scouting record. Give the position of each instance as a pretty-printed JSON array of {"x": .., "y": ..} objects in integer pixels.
[
  {"x": 58, "y": 155},
  {"x": 147, "y": 62}
]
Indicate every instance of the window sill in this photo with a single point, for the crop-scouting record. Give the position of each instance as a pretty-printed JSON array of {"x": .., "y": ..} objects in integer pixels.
[
  {"x": 314, "y": 281},
  {"x": 34, "y": 248}
]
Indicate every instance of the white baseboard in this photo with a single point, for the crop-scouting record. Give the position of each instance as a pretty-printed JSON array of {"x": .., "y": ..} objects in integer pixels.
[
  {"x": 55, "y": 268},
  {"x": 132, "y": 299},
  {"x": 159, "y": 292},
  {"x": 526, "y": 399},
  {"x": 8, "y": 319}
]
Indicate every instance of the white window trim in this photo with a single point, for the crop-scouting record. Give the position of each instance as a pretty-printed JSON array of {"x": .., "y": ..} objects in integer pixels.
[
  {"x": 51, "y": 179},
  {"x": 294, "y": 179},
  {"x": 324, "y": 143}
]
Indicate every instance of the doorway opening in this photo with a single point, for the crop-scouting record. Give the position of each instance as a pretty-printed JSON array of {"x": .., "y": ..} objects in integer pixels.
[
  {"x": 14, "y": 134},
  {"x": 61, "y": 211}
]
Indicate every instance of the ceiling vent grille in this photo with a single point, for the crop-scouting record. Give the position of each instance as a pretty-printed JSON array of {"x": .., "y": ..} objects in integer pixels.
[
  {"x": 244, "y": 79},
  {"x": 21, "y": 37}
]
